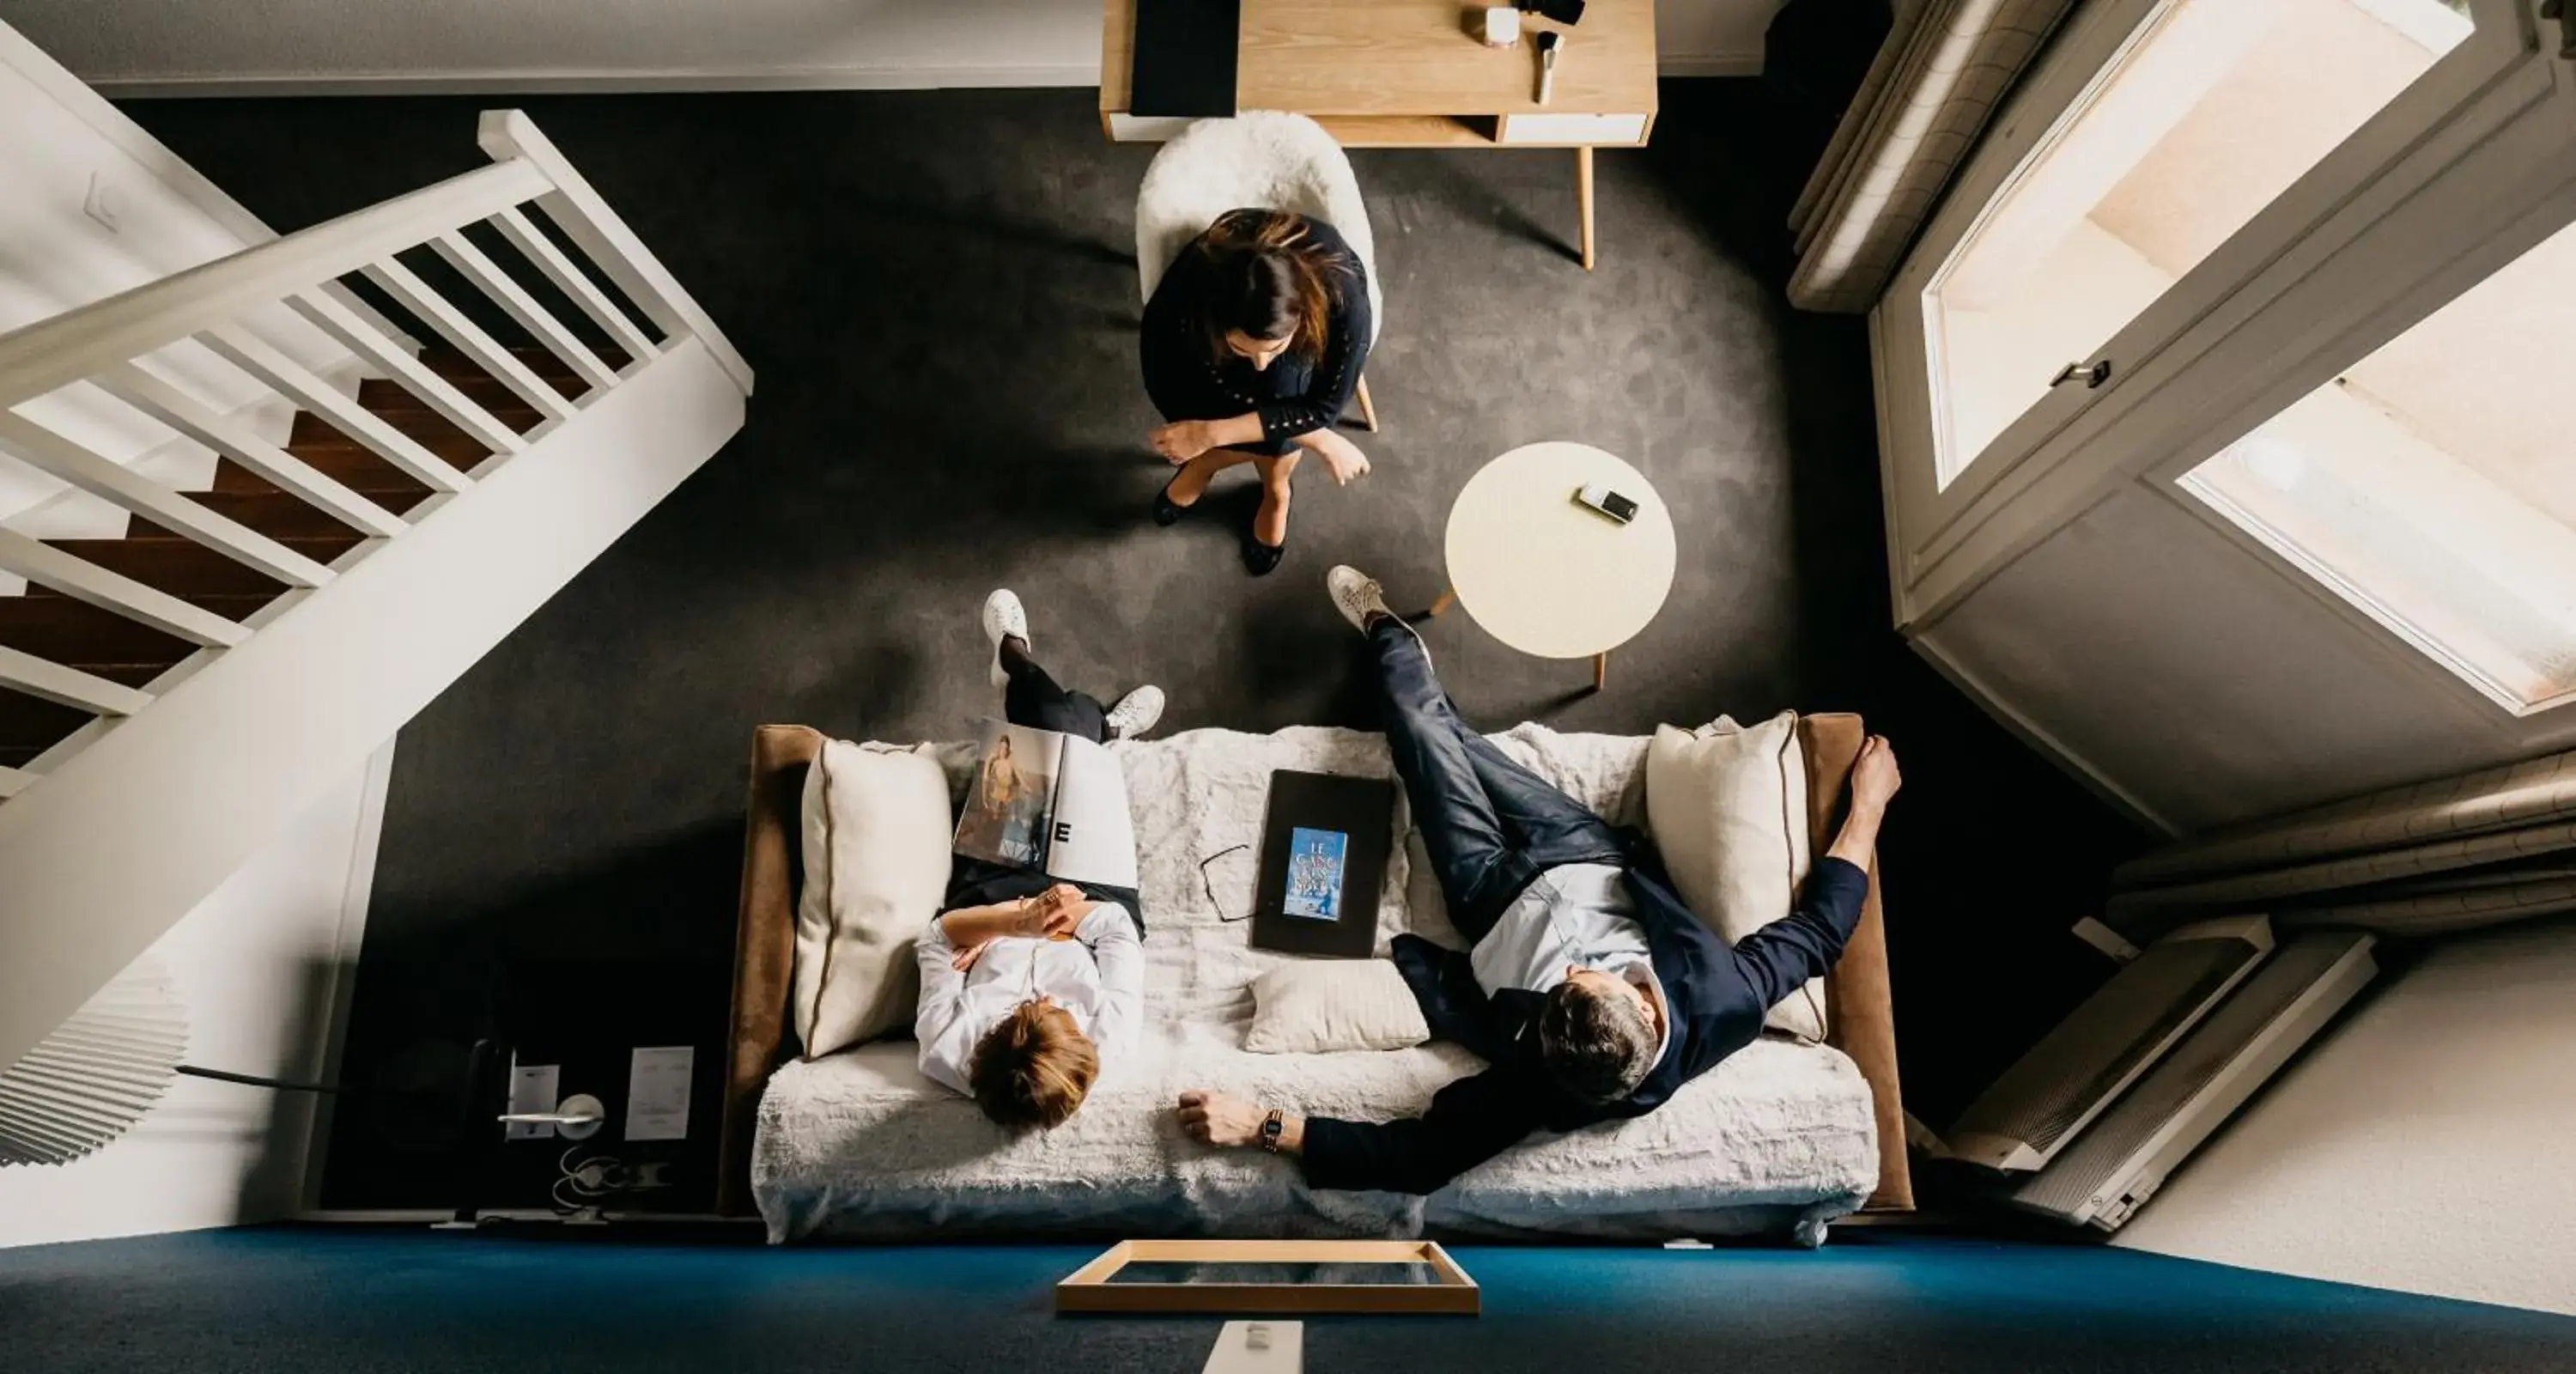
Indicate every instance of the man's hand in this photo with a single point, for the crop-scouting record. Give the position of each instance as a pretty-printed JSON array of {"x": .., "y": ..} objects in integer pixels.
[
  {"x": 1183, "y": 440},
  {"x": 1874, "y": 776},
  {"x": 1874, "y": 779},
  {"x": 1218, "y": 1119}
]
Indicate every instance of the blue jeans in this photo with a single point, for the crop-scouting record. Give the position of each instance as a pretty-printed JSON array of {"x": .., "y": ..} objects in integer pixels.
[{"x": 1490, "y": 825}]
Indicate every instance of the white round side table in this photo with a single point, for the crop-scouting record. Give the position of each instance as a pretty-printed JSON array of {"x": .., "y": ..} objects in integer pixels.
[{"x": 1546, "y": 575}]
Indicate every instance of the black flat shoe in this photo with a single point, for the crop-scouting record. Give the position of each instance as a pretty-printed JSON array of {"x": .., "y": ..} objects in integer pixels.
[
  {"x": 1166, "y": 510},
  {"x": 1261, "y": 559}
]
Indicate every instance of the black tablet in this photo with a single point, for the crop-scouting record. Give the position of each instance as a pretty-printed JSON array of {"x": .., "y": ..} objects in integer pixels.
[{"x": 1323, "y": 859}]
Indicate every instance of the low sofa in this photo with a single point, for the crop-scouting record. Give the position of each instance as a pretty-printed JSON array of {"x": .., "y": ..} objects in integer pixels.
[{"x": 1781, "y": 1139}]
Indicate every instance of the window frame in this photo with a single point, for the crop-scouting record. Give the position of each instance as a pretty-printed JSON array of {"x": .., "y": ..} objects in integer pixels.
[
  {"x": 2037, "y": 474},
  {"x": 2335, "y": 588}
]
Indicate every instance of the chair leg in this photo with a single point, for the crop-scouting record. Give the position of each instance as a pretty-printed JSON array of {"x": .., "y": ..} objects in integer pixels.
[
  {"x": 1583, "y": 195},
  {"x": 1368, "y": 408}
]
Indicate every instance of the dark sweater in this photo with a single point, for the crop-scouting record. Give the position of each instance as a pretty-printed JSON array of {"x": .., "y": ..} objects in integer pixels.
[
  {"x": 1716, "y": 998},
  {"x": 1293, "y": 395}
]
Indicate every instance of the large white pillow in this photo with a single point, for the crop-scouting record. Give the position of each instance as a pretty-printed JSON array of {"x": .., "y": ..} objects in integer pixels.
[
  {"x": 1313, "y": 1006},
  {"x": 876, "y": 828},
  {"x": 1727, "y": 806}
]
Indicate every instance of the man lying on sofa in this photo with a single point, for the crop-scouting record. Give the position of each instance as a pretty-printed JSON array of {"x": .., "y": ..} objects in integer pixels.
[{"x": 1591, "y": 991}]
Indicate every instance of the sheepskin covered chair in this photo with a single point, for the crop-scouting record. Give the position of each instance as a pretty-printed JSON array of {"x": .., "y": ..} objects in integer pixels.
[{"x": 1268, "y": 159}]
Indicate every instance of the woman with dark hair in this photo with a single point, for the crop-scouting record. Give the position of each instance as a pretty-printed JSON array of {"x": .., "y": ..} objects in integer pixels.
[{"x": 1252, "y": 346}]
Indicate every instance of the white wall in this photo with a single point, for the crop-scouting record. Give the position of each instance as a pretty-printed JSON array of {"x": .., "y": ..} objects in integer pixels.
[
  {"x": 1712, "y": 37},
  {"x": 264, "y": 966},
  {"x": 282, "y": 46},
  {"x": 2428, "y": 1144},
  {"x": 58, "y": 138}
]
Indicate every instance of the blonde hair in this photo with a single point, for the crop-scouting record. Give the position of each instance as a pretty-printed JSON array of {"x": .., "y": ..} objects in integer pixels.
[{"x": 1034, "y": 1068}]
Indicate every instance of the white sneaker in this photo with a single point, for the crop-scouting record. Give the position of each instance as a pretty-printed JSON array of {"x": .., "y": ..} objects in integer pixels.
[
  {"x": 1356, "y": 595},
  {"x": 1004, "y": 618},
  {"x": 1136, "y": 712}
]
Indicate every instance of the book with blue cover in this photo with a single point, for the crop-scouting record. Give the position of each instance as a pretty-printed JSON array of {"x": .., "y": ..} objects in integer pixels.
[{"x": 1315, "y": 870}]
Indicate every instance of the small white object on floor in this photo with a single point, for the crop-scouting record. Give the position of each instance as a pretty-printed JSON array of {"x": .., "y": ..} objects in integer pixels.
[
  {"x": 1809, "y": 1233},
  {"x": 1264, "y": 1347},
  {"x": 1686, "y": 1243}
]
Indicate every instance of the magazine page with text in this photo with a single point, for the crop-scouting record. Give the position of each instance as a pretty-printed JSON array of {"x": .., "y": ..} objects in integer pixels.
[{"x": 1094, "y": 837}]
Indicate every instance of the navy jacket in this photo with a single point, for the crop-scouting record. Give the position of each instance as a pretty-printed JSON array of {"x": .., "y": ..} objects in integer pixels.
[{"x": 1716, "y": 998}]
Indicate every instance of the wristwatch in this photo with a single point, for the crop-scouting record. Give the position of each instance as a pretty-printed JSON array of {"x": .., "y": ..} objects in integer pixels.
[{"x": 1270, "y": 1128}]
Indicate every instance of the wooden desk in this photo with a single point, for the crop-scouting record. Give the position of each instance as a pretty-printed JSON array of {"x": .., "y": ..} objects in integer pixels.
[{"x": 1412, "y": 74}]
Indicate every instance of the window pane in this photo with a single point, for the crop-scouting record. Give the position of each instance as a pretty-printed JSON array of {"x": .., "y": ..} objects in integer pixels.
[
  {"x": 2434, "y": 483},
  {"x": 2214, "y": 108}
]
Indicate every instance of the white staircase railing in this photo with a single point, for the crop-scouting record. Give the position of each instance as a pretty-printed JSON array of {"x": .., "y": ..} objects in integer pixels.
[{"x": 111, "y": 835}]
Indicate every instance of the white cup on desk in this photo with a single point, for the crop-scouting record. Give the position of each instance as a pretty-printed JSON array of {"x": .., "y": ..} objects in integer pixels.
[{"x": 1501, "y": 26}]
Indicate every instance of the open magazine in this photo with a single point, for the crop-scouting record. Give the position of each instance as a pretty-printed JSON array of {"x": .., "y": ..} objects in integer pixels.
[{"x": 1049, "y": 801}]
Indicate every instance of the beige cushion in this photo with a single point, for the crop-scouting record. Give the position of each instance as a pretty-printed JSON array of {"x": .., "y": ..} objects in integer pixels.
[
  {"x": 1727, "y": 806},
  {"x": 876, "y": 827},
  {"x": 1314, "y": 1006}
]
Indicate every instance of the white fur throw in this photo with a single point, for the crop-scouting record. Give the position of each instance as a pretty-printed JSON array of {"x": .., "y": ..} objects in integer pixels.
[
  {"x": 1264, "y": 159},
  {"x": 860, "y": 1145}
]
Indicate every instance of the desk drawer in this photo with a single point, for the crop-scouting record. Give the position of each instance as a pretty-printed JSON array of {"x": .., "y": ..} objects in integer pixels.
[{"x": 1560, "y": 129}]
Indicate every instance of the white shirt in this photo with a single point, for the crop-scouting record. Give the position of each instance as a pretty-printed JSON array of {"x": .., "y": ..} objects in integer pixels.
[
  {"x": 1572, "y": 914},
  {"x": 1098, "y": 976}
]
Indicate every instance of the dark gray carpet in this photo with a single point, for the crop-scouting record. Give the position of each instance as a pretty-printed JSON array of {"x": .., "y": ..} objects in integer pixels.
[{"x": 938, "y": 293}]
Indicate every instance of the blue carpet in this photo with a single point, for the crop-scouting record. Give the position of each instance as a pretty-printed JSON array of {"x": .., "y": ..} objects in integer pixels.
[{"x": 350, "y": 1302}]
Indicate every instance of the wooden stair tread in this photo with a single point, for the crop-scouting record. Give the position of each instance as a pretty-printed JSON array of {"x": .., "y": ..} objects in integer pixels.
[
  {"x": 275, "y": 513},
  {"x": 476, "y": 382},
  {"x": 181, "y": 567},
  {"x": 399, "y": 406},
  {"x": 313, "y": 436},
  {"x": 320, "y": 547},
  {"x": 73, "y": 632},
  {"x": 372, "y": 477}
]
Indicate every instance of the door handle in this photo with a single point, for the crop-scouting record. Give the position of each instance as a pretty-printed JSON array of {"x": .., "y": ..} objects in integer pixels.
[{"x": 2094, "y": 374}]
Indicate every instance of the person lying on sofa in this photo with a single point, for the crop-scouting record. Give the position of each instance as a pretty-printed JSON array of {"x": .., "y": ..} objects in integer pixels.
[
  {"x": 1591, "y": 991},
  {"x": 1025, "y": 982}
]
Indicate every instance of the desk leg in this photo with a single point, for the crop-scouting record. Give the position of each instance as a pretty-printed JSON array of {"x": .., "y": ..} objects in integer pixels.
[
  {"x": 1583, "y": 193},
  {"x": 1600, "y": 670}
]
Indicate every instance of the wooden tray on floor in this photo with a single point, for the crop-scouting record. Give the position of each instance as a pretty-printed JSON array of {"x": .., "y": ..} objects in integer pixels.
[{"x": 1270, "y": 1277}]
